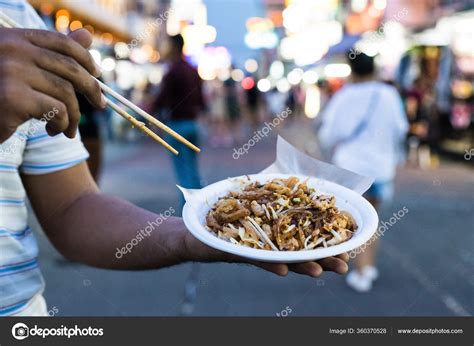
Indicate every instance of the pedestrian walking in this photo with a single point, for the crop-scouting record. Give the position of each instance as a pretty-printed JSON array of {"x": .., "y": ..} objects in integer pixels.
[
  {"x": 363, "y": 127},
  {"x": 179, "y": 102}
]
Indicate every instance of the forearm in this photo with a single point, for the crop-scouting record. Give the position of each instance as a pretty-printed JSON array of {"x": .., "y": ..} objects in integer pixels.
[
  {"x": 102, "y": 231},
  {"x": 108, "y": 232}
]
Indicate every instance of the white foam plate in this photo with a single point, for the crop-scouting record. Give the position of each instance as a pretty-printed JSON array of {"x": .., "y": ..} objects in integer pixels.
[{"x": 200, "y": 202}]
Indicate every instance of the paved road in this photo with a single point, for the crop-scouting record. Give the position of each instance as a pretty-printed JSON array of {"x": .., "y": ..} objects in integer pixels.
[{"x": 426, "y": 259}]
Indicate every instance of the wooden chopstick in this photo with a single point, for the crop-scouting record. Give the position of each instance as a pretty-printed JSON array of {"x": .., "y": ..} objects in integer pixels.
[
  {"x": 6, "y": 21},
  {"x": 141, "y": 126},
  {"x": 10, "y": 23},
  {"x": 147, "y": 116},
  {"x": 4, "y": 24}
]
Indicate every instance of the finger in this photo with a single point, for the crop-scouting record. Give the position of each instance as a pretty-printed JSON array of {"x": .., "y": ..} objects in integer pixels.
[
  {"x": 216, "y": 255},
  {"x": 275, "y": 268},
  {"x": 35, "y": 105},
  {"x": 41, "y": 105},
  {"x": 11, "y": 92},
  {"x": 69, "y": 69},
  {"x": 334, "y": 264},
  {"x": 64, "y": 45},
  {"x": 309, "y": 268},
  {"x": 344, "y": 256},
  {"x": 81, "y": 36},
  {"x": 50, "y": 84}
]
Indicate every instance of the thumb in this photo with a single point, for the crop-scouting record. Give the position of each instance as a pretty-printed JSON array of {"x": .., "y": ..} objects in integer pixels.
[{"x": 81, "y": 36}]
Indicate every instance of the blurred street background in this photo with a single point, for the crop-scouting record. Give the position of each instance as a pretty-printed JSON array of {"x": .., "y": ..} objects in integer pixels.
[
  {"x": 256, "y": 59},
  {"x": 426, "y": 259}
]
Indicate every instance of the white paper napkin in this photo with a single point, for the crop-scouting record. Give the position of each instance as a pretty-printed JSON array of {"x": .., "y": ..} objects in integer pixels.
[{"x": 289, "y": 160}]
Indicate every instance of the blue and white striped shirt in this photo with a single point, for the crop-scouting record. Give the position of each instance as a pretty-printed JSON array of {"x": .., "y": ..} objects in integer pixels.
[{"x": 29, "y": 151}]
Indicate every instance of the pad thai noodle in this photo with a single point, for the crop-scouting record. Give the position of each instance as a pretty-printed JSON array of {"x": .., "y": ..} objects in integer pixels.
[{"x": 280, "y": 215}]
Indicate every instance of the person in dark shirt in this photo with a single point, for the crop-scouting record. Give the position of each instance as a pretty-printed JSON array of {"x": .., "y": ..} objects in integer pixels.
[
  {"x": 89, "y": 130},
  {"x": 179, "y": 103},
  {"x": 253, "y": 98},
  {"x": 233, "y": 108},
  {"x": 180, "y": 98}
]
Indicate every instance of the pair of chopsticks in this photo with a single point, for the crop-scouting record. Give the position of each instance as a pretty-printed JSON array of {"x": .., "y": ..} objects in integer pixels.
[{"x": 7, "y": 22}]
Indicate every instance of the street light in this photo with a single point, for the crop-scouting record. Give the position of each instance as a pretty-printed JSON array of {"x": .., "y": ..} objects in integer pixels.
[
  {"x": 251, "y": 65},
  {"x": 264, "y": 85}
]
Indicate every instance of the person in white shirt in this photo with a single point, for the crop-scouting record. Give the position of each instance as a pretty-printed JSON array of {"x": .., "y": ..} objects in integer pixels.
[
  {"x": 42, "y": 158},
  {"x": 362, "y": 129}
]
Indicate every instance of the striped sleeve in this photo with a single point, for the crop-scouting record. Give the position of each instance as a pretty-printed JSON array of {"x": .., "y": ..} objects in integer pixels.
[
  {"x": 45, "y": 154},
  {"x": 22, "y": 13}
]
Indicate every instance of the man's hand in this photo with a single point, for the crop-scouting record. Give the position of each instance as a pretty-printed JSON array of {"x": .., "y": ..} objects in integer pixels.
[
  {"x": 39, "y": 73},
  {"x": 197, "y": 251},
  {"x": 89, "y": 227}
]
